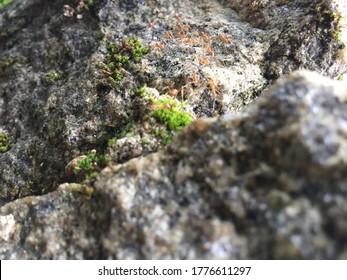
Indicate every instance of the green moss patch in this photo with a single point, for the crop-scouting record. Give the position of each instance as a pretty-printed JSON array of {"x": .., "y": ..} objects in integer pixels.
[
  {"x": 4, "y": 3},
  {"x": 88, "y": 168},
  {"x": 121, "y": 134},
  {"x": 167, "y": 112},
  {"x": 118, "y": 57},
  {"x": 7, "y": 62},
  {"x": 172, "y": 119},
  {"x": 5, "y": 142},
  {"x": 52, "y": 76},
  {"x": 332, "y": 21}
]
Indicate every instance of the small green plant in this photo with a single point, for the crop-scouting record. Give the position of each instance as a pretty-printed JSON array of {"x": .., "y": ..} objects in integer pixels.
[
  {"x": 90, "y": 3},
  {"x": 4, "y": 3},
  {"x": 5, "y": 142},
  {"x": 144, "y": 140},
  {"x": 7, "y": 62},
  {"x": 331, "y": 20},
  {"x": 91, "y": 163},
  {"x": 117, "y": 77},
  {"x": 28, "y": 185},
  {"x": 173, "y": 119},
  {"x": 117, "y": 59},
  {"x": 137, "y": 50},
  {"x": 112, "y": 141},
  {"x": 52, "y": 76},
  {"x": 165, "y": 135},
  {"x": 140, "y": 91},
  {"x": 167, "y": 111},
  {"x": 86, "y": 171},
  {"x": 121, "y": 134},
  {"x": 89, "y": 166},
  {"x": 86, "y": 164},
  {"x": 92, "y": 176},
  {"x": 169, "y": 114},
  {"x": 338, "y": 31}
]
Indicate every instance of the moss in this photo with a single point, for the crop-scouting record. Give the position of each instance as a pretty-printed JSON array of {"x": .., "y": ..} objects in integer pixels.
[
  {"x": 90, "y": 178},
  {"x": 173, "y": 119},
  {"x": 331, "y": 21},
  {"x": 338, "y": 32},
  {"x": 5, "y": 142},
  {"x": 4, "y": 3},
  {"x": 52, "y": 76},
  {"x": 6, "y": 62},
  {"x": 112, "y": 141},
  {"x": 137, "y": 50},
  {"x": 140, "y": 91},
  {"x": 85, "y": 164},
  {"x": 90, "y": 3},
  {"x": 167, "y": 112},
  {"x": 125, "y": 130},
  {"x": 121, "y": 134},
  {"x": 118, "y": 57},
  {"x": 144, "y": 140},
  {"x": 164, "y": 135},
  {"x": 117, "y": 77},
  {"x": 87, "y": 169},
  {"x": 4, "y": 33},
  {"x": 91, "y": 163}
]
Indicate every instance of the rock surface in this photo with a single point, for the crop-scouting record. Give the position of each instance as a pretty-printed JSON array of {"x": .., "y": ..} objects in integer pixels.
[
  {"x": 196, "y": 45},
  {"x": 264, "y": 182}
]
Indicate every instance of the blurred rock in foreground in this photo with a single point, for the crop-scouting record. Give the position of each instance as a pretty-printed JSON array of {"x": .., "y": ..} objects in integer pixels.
[{"x": 217, "y": 56}]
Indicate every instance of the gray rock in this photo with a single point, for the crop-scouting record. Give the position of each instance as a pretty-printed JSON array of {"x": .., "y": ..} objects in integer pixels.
[
  {"x": 301, "y": 32},
  {"x": 46, "y": 227},
  {"x": 196, "y": 46},
  {"x": 265, "y": 183}
]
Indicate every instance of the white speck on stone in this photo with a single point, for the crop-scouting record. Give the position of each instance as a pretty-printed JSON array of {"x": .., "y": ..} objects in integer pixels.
[
  {"x": 220, "y": 248},
  {"x": 292, "y": 211}
]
